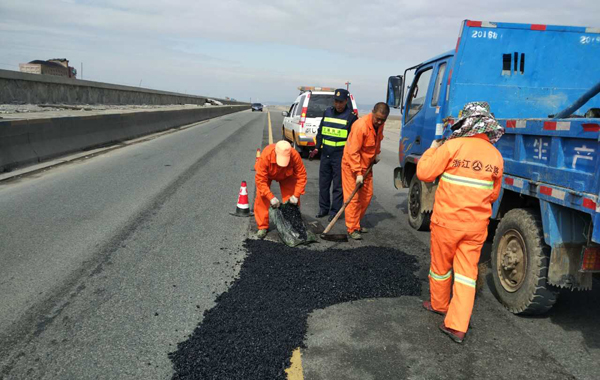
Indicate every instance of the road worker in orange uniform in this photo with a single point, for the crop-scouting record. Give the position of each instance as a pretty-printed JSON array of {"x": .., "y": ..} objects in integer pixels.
[
  {"x": 362, "y": 149},
  {"x": 470, "y": 170},
  {"x": 278, "y": 162}
]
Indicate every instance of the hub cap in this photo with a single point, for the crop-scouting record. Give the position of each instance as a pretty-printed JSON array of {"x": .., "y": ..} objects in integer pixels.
[
  {"x": 512, "y": 261},
  {"x": 414, "y": 200}
]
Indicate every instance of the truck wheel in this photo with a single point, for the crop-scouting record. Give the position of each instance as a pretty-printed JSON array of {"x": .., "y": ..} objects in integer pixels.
[
  {"x": 417, "y": 218},
  {"x": 520, "y": 260}
]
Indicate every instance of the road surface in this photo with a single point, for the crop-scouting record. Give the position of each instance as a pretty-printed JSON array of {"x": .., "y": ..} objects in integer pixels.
[{"x": 111, "y": 265}]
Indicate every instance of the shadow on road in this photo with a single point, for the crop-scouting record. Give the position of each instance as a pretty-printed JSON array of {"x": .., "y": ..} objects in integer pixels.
[
  {"x": 573, "y": 311},
  {"x": 579, "y": 311}
]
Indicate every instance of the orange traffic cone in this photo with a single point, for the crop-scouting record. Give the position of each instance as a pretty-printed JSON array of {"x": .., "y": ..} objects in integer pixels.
[
  {"x": 242, "y": 209},
  {"x": 257, "y": 157}
]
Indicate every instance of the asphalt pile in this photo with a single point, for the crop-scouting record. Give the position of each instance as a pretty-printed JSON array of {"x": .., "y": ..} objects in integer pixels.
[
  {"x": 293, "y": 215},
  {"x": 255, "y": 326}
]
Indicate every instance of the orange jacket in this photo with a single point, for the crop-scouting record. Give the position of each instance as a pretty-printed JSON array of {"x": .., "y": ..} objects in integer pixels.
[
  {"x": 267, "y": 170},
  {"x": 362, "y": 145},
  {"x": 471, "y": 176}
]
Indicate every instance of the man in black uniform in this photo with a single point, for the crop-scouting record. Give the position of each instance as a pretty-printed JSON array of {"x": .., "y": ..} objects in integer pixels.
[{"x": 331, "y": 139}]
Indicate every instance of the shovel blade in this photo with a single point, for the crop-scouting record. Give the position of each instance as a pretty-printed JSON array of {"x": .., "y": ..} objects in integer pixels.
[{"x": 335, "y": 237}]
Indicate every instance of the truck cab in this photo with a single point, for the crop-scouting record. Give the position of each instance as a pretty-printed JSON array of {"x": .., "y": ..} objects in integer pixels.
[
  {"x": 541, "y": 82},
  {"x": 422, "y": 121}
]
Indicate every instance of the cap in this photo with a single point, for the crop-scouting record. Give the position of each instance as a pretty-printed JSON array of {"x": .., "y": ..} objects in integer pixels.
[
  {"x": 341, "y": 94},
  {"x": 283, "y": 151}
]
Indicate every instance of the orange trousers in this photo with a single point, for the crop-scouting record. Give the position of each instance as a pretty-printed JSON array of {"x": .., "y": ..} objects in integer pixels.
[
  {"x": 262, "y": 204},
  {"x": 357, "y": 207},
  {"x": 458, "y": 252}
]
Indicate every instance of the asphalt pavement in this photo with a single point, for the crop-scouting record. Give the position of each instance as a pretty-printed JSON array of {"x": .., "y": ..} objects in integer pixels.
[{"x": 113, "y": 263}]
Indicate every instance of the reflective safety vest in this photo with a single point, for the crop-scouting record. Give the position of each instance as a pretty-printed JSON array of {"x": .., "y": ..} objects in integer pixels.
[{"x": 334, "y": 129}]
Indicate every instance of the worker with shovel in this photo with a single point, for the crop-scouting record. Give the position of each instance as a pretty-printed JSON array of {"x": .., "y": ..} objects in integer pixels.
[
  {"x": 278, "y": 162},
  {"x": 362, "y": 150}
]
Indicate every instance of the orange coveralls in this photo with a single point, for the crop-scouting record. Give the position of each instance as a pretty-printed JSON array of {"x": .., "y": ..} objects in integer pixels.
[
  {"x": 471, "y": 176},
  {"x": 363, "y": 144},
  {"x": 292, "y": 181}
]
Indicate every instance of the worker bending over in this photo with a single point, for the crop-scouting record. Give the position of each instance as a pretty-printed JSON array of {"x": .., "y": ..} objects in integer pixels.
[
  {"x": 278, "y": 162},
  {"x": 471, "y": 175},
  {"x": 362, "y": 149}
]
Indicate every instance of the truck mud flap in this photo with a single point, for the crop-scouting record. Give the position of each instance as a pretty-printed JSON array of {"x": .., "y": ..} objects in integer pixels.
[
  {"x": 428, "y": 195},
  {"x": 564, "y": 272},
  {"x": 398, "y": 182}
]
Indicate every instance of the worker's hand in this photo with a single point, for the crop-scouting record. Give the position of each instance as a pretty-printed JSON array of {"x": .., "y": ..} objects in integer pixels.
[
  {"x": 275, "y": 202},
  {"x": 359, "y": 179},
  {"x": 377, "y": 159},
  {"x": 293, "y": 200},
  {"x": 313, "y": 153},
  {"x": 436, "y": 144}
]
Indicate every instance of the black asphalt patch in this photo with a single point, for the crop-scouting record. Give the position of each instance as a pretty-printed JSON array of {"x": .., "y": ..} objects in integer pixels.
[{"x": 255, "y": 326}]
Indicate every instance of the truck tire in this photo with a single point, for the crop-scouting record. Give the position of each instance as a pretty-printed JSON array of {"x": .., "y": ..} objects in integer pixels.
[
  {"x": 417, "y": 218},
  {"x": 520, "y": 260}
]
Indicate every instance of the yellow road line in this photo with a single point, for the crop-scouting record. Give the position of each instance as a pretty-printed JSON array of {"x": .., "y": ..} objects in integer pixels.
[
  {"x": 295, "y": 371},
  {"x": 270, "y": 130}
]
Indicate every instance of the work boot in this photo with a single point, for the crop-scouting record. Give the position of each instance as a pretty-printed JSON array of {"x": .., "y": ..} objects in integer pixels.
[
  {"x": 321, "y": 214},
  {"x": 330, "y": 218},
  {"x": 364, "y": 230},
  {"x": 261, "y": 234},
  {"x": 356, "y": 235},
  {"x": 456, "y": 336},
  {"x": 427, "y": 306}
]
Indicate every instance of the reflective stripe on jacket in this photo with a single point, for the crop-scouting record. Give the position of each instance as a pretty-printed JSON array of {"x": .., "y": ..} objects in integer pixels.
[
  {"x": 471, "y": 177},
  {"x": 334, "y": 128}
]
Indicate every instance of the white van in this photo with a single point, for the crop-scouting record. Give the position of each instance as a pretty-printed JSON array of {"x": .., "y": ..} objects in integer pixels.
[{"x": 301, "y": 122}]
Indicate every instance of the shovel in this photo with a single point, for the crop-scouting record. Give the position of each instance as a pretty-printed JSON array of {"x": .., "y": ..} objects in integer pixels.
[{"x": 342, "y": 237}]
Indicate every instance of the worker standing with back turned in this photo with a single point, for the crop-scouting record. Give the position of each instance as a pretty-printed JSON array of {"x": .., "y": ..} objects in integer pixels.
[
  {"x": 471, "y": 177},
  {"x": 331, "y": 140},
  {"x": 362, "y": 149},
  {"x": 278, "y": 162}
]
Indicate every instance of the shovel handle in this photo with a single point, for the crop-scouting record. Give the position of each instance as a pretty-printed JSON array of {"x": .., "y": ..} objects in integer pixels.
[{"x": 339, "y": 213}]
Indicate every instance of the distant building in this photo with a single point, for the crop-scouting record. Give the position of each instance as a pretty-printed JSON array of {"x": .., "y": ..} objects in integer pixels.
[{"x": 58, "y": 67}]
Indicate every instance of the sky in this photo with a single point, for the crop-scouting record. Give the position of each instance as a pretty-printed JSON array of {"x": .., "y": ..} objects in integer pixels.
[{"x": 261, "y": 50}]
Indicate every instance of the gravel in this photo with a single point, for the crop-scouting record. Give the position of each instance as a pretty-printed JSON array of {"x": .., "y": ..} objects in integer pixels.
[
  {"x": 255, "y": 325},
  {"x": 292, "y": 214}
]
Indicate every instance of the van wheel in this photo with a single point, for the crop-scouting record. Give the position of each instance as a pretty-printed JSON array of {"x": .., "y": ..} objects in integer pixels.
[
  {"x": 283, "y": 137},
  {"x": 417, "y": 218},
  {"x": 300, "y": 149},
  {"x": 520, "y": 260}
]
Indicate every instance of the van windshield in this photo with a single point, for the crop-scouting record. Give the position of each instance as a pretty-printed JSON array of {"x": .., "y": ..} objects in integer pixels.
[{"x": 318, "y": 104}]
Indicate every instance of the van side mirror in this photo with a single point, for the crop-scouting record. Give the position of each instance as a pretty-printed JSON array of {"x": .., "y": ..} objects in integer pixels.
[
  {"x": 285, "y": 114},
  {"x": 394, "y": 91}
]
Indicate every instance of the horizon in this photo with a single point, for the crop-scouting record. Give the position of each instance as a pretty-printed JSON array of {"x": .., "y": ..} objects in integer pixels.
[{"x": 245, "y": 51}]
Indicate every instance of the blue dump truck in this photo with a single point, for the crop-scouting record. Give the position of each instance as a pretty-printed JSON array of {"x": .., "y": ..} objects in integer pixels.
[{"x": 541, "y": 82}]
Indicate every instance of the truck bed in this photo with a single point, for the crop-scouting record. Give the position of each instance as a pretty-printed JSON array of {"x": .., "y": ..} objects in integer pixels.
[{"x": 554, "y": 160}]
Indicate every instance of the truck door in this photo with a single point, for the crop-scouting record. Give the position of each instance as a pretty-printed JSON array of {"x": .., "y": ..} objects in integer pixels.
[
  {"x": 424, "y": 107},
  {"x": 414, "y": 112},
  {"x": 434, "y": 113}
]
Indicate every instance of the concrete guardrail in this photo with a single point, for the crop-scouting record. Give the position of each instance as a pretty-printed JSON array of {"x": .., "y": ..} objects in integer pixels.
[
  {"x": 26, "y": 142},
  {"x": 18, "y": 87}
]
